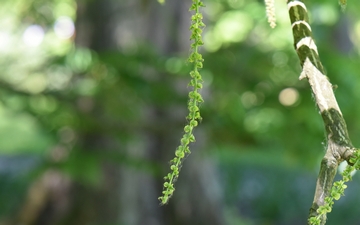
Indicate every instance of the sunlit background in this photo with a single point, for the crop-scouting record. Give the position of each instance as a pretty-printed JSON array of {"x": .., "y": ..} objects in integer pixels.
[{"x": 93, "y": 97}]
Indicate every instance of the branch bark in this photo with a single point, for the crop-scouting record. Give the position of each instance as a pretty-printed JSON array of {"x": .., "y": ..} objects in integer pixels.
[{"x": 339, "y": 147}]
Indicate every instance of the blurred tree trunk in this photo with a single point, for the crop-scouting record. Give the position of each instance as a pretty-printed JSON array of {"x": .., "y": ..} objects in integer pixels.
[
  {"x": 124, "y": 195},
  {"x": 110, "y": 25}
]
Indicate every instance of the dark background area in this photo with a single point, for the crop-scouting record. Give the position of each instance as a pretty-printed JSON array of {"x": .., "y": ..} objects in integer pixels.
[{"x": 93, "y": 100}]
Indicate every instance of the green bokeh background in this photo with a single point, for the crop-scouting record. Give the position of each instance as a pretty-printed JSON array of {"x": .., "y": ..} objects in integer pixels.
[{"x": 104, "y": 110}]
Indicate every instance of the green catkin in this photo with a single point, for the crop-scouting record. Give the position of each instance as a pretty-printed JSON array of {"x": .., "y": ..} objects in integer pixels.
[{"x": 195, "y": 99}]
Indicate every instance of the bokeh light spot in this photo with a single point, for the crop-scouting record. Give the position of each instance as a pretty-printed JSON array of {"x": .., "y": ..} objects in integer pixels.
[
  {"x": 288, "y": 96},
  {"x": 326, "y": 14},
  {"x": 262, "y": 120},
  {"x": 86, "y": 87},
  {"x": 58, "y": 77},
  {"x": 43, "y": 104},
  {"x": 174, "y": 65},
  {"x": 35, "y": 83},
  {"x": 212, "y": 40},
  {"x": 248, "y": 99},
  {"x": 280, "y": 59},
  {"x": 64, "y": 27},
  {"x": 233, "y": 26},
  {"x": 4, "y": 41},
  {"x": 79, "y": 60},
  {"x": 33, "y": 35}
]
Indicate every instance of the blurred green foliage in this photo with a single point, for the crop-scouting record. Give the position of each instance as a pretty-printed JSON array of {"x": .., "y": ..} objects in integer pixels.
[{"x": 55, "y": 97}]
